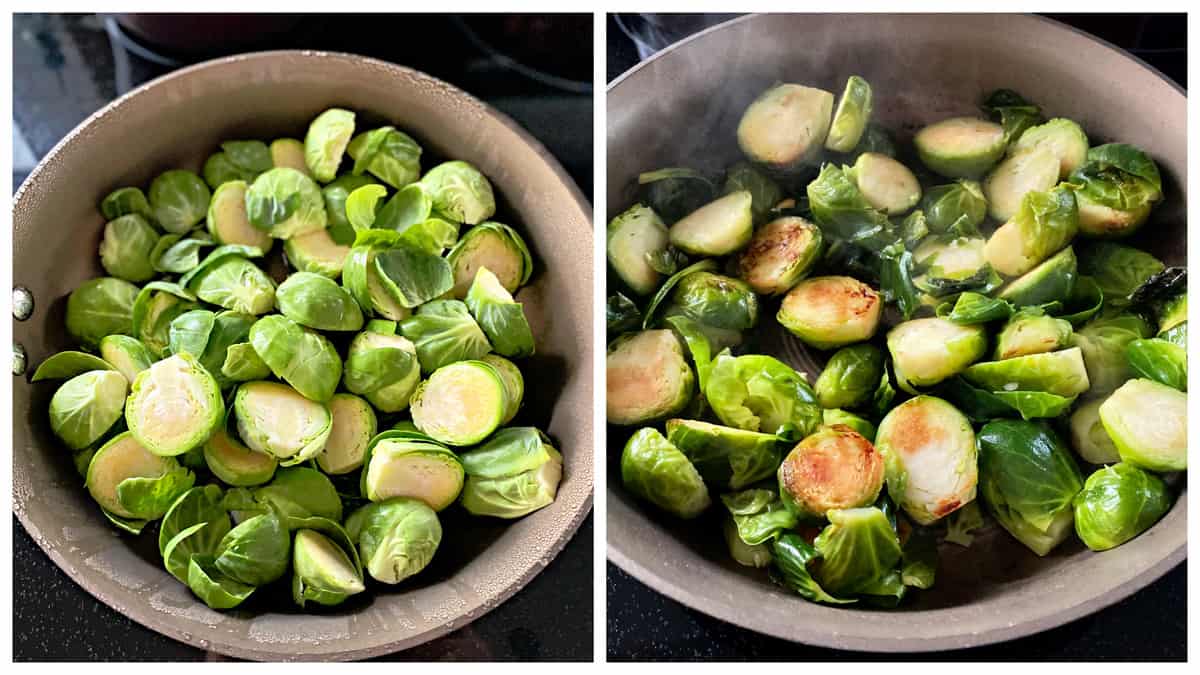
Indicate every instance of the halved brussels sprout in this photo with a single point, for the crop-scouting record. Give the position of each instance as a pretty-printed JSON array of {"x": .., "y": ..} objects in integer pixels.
[
  {"x": 1029, "y": 333},
  {"x": 723, "y": 304},
  {"x": 725, "y": 456},
  {"x": 494, "y": 246},
  {"x": 961, "y": 147},
  {"x": 514, "y": 474},
  {"x": 234, "y": 463},
  {"x": 383, "y": 367},
  {"x": 124, "y": 201},
  {"x": 318, "y": 302},
  {"x": 850, "y": 377},
  {"x": 179, "y": 199},
  {"x": 130, "y": 482},
  {"x": 100, "y": 307},
  {"x": 840, "y": 208},
  {"x": 852, "y": 115},
  {"x": 285, "y": 203},
  {"x": 326, "y": 141},
  {"x": 1159, "y": 360},
  {"x": 760, "y": 393},
  {"x": 125, "y": 249},
  {"x": 1061, "y": 137},
  {"x": 396, "y": 538},
  {"x": 460, "y": 192},
  {"x": 514, "y": 383},
  {"x": 231, "y": 281},
  {"x": 208, "y": 337},
  {"x": 1042, "y": 226},
  {"x": 401, "y": 465},
  {"x": 929, "y": 451},
  {"x": 301, "y": 357},
  {"x": 299, "y": 492},
  {"x": 227, "y": 219},
  {"x": 174, "y": 406},
  {"x": 255, "y": 552},
  {"x": 443, "y": 333},
  {"x": 1061, "y": 373},
  {"x": 1103, "y": 342},
  {"x": 786, "y": 126},
  {"x": 717, "y": 228},
  {"x": 831, "y": 311},
  {"x": 886, "y": 184},
  {"x": 391, "y": 155},
  {"x": 362, "y": 278},
  {"x": 780, "y": 254},
  {"x": 156, "y": 306},
  {"x": 324, "y": 571},
  {"x": 1147, "y": 421},
  {"x": 460, "y": 404},
  {"x": 354, "y": 425},
  {"x": 655, "y": 470},
  {"x": 632, "y": 238},
  {"x": 1032, "y": 170},
  {"x": 958, "y": 203},
  {"x": 218, "y": 170},
  {"x": 950, "y": 264},
  {"x": 1088, "y": 436},
  {"x": 1118, "y": 503},
  {"x": 277, "y": 420},
  {"x": 86, "y": 406},
  {"x": 647, "y": 377},
  {"x": 834, "y": 468},
  {"x": 412, "y": 275},
  {"x": 500, "y": 317},
  {"x": 1051, "y": 281},
  {"x": 288, "y": 153},
  {"x": 318, "y": 252},
  {"x": 858, "y": 549},
  {"x": 1119, "y": 184}
]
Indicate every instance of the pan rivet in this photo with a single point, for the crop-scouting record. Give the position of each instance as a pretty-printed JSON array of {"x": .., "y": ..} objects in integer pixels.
[
  {"x": 22, "y": 303},
  {"x": 20, "y": 359}
]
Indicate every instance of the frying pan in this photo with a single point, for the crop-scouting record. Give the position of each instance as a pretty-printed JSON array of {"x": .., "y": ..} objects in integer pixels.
[
  {"x": 681, "y": 107},
  {"x": 176, "y": 121}
]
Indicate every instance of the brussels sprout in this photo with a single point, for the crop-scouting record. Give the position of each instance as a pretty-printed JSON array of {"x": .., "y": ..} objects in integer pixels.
[
  {"x": 227, "y": 219},
  {"x": 717, "y": 228},
  {"x": 842, "y": 211},
  {"x": 173, "y": 254},
  {"x": 632, "y": 238},
  {"x": 760, "y": 393},
  {"x": 1118, "y": 185},
  {"x": 174, "y": 406},
  {"x": 325, "y": 570},
  {"x": 255, "y": 552},
  {"x": 275, "y": 419},
  {"x": 832, "y": 416},
  {"x": 460, "y": 192},
  {"x": 960, "y": 147},
  {"x": 759, "y": 515},
  {"x": 124, "y": 201},
  {"x": 443, "y": 333},
  {"x": 648, "y": 377},
  {"x": 514, "y": 383},
  {"x": 193, "y": 526},
  {"x": 886, "y": 184},
  {"x": 831, "y": 311},
  {"x": 961, "y": 202},
  {"x": 1032, "y": 170},
  {"x": 792, "y": 554},
  {"x": 1147, "y": 421},
  {"x": 68, "y": 364},
  {"x": 383, "y": 367},
  {"x": 756, "y": 555},
  {"x": 1061, "y": 373},
  {"x": 731, "y": 458},
  {"x": 179, "y": 200},
  {"x": 354, "y": 426},
  {"x": 1050, "y": 281},
  {"x": 834, "y": 468},
  {"x": 326, "y": 141},
  {"x": 655, "y": 470},
  {"x": 1103, "y": 342},
  {"x": 234, "y": 463},
  {"x": 1042, "y": 226},
  {"x": 850, "y": 377},
  {"x": 86, "y": 406},
  {"x": 1118, "y": 503},
  {"x": 232, "y": 282},
  {"x": 1029, "y": 333},
  {"x": 1028, "y": 481},
  {"x": 401, "y": 465},
  {"x": 100, "y": 307},
  {"x": 500, "y": 317},
  {"x": 389, "y": 154},
  {"x": 1013, "y": 112},
  {"x": 208, "y": 337},
  {"x": 155, "y": 307},
  {"x": 514, "y": 474},
  {"x": 396, "y": 538},
  {"x": 496, "y": 247},
  {"x": 243, "y": 364},
  {"x": 972, "y": 308},
  {"x": 786, "y": 126},
  {"x": 764, "y": 192},
  {"x": 364, "y": 280},
  {"x": 858, "y": 547},
  {"x": 317, "y": 252},
  {"x": 285, "y": 203},
  {"x": 1088, "y": 437},
  {"x": 1118, "y": 270},
  {"x": 713, "y": 300},
  {"x": 125, "y": 249},
  {"x": 219, "y": 169},
  {"x": 1160, "y": 361},
  {"x": 301, "y": 357},
  {"x": 850, "y": 119},
  {"x": 1061, "y": 137},
  {"x": 780, "y": 254},
  {"x": 130, "y": 482},
  {"x": 949, "y": 264},
  {"x": 288, "y": 153},
  {"x": 673, "y": 192},
  {"x": 298, "y": 493},
  {"x": 928, "y": 448},
  {"x": 461, "y": 403},
  {"x": 318, "y": 302}
]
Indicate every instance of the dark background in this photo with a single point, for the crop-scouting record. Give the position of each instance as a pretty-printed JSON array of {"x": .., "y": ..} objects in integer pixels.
[
  {"x": 1150, "y": 625},
  {"x": 67, "y": 67}
]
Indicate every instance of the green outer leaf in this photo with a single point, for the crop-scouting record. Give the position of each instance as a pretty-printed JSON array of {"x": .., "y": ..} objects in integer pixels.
[
  {"x": 68, "y": 364},
  {"x": 1035, "y": 404},
  {"x": 669, "y": 285},
  {"x": 215, "y": 589},
  {"x": 256, "y": 551},
  {"x": 972, "y": 308},
  {"x": 215, "y": 256},
  {"x": 507, "y": 452},
  {"x": 723, "y": 456},
  {"x": 413, "y": 276},
  {"x": 124, "y": 201},
  {"x": 500, "y": 317},
  {"x": 149, "y": 498},
  {"x": 193, "y": 525},
  {"x": 362, "y": 206},
  {"x": 759, "y": 515},
  {"x": 792, "y": 555},
  {"x": 190, "y": 331},
  {"x": 1159, "y": 360},
  {"x": 444, "y": 332},
  {"x": 760, "y": 393},
  {"x": 301, "y": 357}
]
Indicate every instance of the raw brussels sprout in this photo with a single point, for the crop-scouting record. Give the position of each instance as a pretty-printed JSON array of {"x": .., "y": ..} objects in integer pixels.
[
  {"x": 174, "y": 254},
  {"x": 724, "y": 456},
  {"x": 760, "y": 393},
  {"x": 1032, "y": 170},
  {"x": 219, "y": 169},
  {"x": 86, "y": 406},
  {"x": 858, "y": 548},
  {"x": 961, "y": 147},
  {"x": 514, "y": 474},
  {"x": 364, "y": 280},
  {"x": 780, "y": 254},
  {"x": 337, "y": 194},
  {"x": 834, "y": 468},
  {"x": 1061, "y": 373},
  {"x": 227, "y": 219},
  {"x": 1103, "y": 342},
  {"x": 125, "y": 353},
  {"x": 243, "y": 364},
  {"x": 764, "y": 192},
  {"x": 632, "y": 238},
  {"x": 396, "y": 538},
  {"x": 132, "y": 483},
  {"x": 717, "y": 228},
  {"x": 1147, "y": 421},
  {"x": 850, "y": 119},
  {"x": 1118, "y": 503},
  {"x": 124, "y": 201},
  {"x": 228, "y": 279},
  {"x": 460, "y": 192},
  {"x": 1028, "y": 481},
  {"x": 514, "y": 383},
  {"x": 100, "y": 307},
  {"x": 461, "y": 403},
  {"x": 496, "y": 247},
  {"x": 193, "y": 526},
  {"x": 1029, "y": 333},
  {"x": 325, "y": 569},
  {"x": 125, "y": 249},
  {"x": 234, "y": 463},
  {"x": 961, "y": 202},
  {"x": 383, "y": 367},
  {"x": 208, "y": 337},
  {"x": 886, "y": 184},
  {"x": 275, "y": 419},
  {"x": 389, "y": 154},
  {"x": 301, "y": 357},
  {"x": 400, "y": 464},
  {"x": 1088, "y": 436},
  {"x": 648, "y": 377},
  {"x": 1159, "y": 360},
  {"x": 850, "y": 377},
  {"x": 179, "y": 199},
  {"x": 786, "y": 126},
  {"x": 1061, "y": 137},
  {"x": 928, "y": 448},
  {"x": 68, "y": 364},
  {"x": 1118, "y": 185},
  {"x": 318, "y": 252},
  {"x": 655, "y": 470},
  {"x": 759, "y": 515},
  {"x": 412, "y": 276},
  {"x": 756, "y": 555},
  {"x": 1118, "y": 270},
  {"x": 927, "y": 351},
  {"x": 1044, "y": 223},
  {"x": 288, "y": 153},
  {"x": 255, "y": 552},
  {"x": 174, "y": 406},
  {"x": 443, "y": 333},
  {"x": 831, "y": 311},
  {"x": 318, "y": 302},
  {"x": 1050, "y": 281},
  {"x": 298, "y": 493},
  {"x": 155, "y": 307},
  {"x": 500, "y": 317},
  {"x": 354, "y": 426},
  {"x": 326, "y": 141},
  {"x": 285, "y": 203}
]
